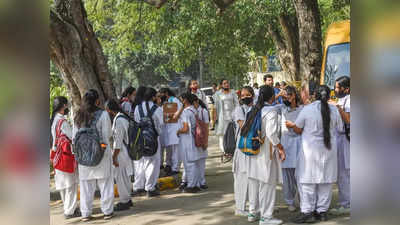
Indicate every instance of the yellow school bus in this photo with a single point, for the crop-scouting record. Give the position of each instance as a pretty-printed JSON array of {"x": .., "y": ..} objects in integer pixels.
[{"x": 336, "y": 59}]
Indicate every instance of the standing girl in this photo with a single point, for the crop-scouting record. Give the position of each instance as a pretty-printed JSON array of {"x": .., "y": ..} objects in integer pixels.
[
  {"x": 264, "y": 170},
  {"x": 127, "y": 99},
  {"x": 240, "y": 160},
  {"x": 316, "y": 170},
  {"x": 123, "y": 167},
  {"x": 66, "y": 183},
  {"x": 291, "y": 142},
  {"x": 100, "y": 175}
]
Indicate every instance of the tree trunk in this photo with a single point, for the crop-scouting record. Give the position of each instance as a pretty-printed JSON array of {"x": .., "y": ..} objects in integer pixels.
[
  {"x": 310, "y": 38},
  {"x": 77, "y": 53}
]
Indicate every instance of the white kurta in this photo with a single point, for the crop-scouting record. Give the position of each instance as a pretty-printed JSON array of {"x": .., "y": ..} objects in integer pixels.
[
  {"x": 226, "y": 104},
  {"x": 171, "y": 128},
  {"x": 103, "y": 170},
  {"x": 316, "y": 163},
  {"x": 290, "y": 141},
  {"x": 240, "y": 160},
  {"x": 62, "y": 179},
  {"x": 127, "y": 108},
  {"x": 260, "y": 166},
  {"x": 200, "y": 94},
  {"x": 120, "y": 136}
]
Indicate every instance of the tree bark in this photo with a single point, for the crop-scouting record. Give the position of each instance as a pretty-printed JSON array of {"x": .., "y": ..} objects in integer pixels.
[
  {"x": 310, "y": 38},
  {"x": 77, "y": 53}
]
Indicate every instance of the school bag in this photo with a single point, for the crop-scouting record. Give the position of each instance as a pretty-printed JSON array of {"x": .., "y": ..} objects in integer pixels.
[
  {"x": 62, "y": 158},
  {"x": 229, "y": 142},
  {"x": 87, "y": 144},
  {"x": 145, "y": 137},
  {"x": 246, "y": 144},
  {"x": 201, "y": 133}
]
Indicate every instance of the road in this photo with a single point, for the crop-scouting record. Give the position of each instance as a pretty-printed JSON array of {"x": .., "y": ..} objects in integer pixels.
[{"x": 213, "y": 207}]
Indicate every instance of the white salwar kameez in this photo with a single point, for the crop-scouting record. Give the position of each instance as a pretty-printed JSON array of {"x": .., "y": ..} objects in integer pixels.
[
  {"x": 123, "y": 172},
  {"x": 101, "y": 174},
  {"x": 264, "y": 173},
  {"x": 239, "y": 164},
  {"x": 66, "y": 183},
  {"x": 343, "y": 147},
  {"x": 202, "y": 114},
  {"x": 225, "y": 104},
  {"x": 147, "y": 169},
  {"x": 291, "y": 142},
  {"x": 189, "y": 153},
  {"x": 317, "y": 166}
]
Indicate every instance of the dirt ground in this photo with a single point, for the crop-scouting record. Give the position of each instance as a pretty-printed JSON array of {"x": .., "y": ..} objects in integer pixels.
[{"x": 213, "y": 207}]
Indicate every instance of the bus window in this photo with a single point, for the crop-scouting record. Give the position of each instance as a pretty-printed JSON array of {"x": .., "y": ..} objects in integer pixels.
[{"x": 337, "y": 63}]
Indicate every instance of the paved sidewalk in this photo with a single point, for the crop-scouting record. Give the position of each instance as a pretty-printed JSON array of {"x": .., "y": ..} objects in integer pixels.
[{"x": 213, "y": 207}]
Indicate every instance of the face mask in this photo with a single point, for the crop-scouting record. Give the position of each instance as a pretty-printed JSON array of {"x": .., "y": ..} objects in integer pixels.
[
  {"x": 226, "y": 89},
  {"x": 66, "y": 111},
  {"x": 194, "y": 88},
  {"x": 286, "y": 102},
  {"x": 246, "y": 101},
  {"x": 340, "y": 94}
]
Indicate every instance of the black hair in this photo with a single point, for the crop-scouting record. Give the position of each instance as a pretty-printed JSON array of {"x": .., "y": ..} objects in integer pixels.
[
  {"x": 277, "y": 84},
  {"x": 149, "y": 94},
  {"x": 139, "y": 95},
  {"x": 222, "y": 81},
  {"x": 113, "y": 105},
  {"x": 283, "y": 83},
  {"x": 322, "y": 94},
  {"x": 88, "y": 106},
  {"x": 292, "y": 90},
  {"x": 168, "y": 91},
  {"x": 343, "y": 81},
  {"x": 189, "y": 96},
  {"x": 58, "y": 103},
  {"x": 201, "y": 103},
  {"x": 255, "y": 84},
  {"x": 266, "y": 93},
  {"x": 249, "y": 89},
  {"x": 214, "y": 84},
  {"x": 128, "y": 91},
  {"x": 267, "y": 76}
]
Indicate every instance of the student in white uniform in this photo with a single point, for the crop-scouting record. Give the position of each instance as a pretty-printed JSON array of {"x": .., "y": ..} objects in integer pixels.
[
  {"x": 291, "y": 142},
  {"x": 203, "y": 115},
  {"x": 148, "y": 167},
  {"x": 264, "y": 170},
  {"x": 66, "y": 183},
  {"x": 195, "y": 89},
  {"x": 342, "y": 90},
  {"x": 171, "y": 139},
  {"x": 239, "y": 165},
  {"x": 188, "y": 151},
  {"x": 122, "y": 164},
  {"x": 100, "y": 175},
  {"x": 127, "y": 99},
  {"x": 316, "y": 170}
]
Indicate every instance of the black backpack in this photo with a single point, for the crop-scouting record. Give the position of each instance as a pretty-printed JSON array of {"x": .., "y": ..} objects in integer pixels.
[
  {"x": 143, "y": 135},
  {"x": 230, "y": 138},
  {"x": 87, "y": 144}
]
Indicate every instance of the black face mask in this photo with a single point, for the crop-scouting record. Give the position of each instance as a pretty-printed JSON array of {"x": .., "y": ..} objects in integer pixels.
[
  {"x": 247, "y": 100},
  {"x": 226, "y": 89},
  {"x": 66, "y": 111},
  {"x": 286, "y": 102},
  {"x": 340, "y": 94}
]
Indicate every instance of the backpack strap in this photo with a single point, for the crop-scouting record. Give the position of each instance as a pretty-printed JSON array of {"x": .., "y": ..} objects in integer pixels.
[
  {"x": 97, "y": 115},
  {"x": 150, "y": 113},
  {"x": 58, "y": 127},
  {"x": 141, "y": 113}
]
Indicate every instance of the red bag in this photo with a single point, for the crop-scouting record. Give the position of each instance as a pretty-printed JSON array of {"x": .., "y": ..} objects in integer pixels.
[
  {"x": 62, "y": 158},
  {"x": 201, "y": 133}
]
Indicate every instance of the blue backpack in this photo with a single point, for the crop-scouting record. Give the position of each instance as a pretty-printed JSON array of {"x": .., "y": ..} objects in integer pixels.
[{"x": 246, "y": 144}]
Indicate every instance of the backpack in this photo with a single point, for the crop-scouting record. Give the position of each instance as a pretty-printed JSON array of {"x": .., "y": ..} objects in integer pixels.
[
  {"x": 144, "y": 139},
  {"x": 246, "y": 144},
  {"x": 230, "y": 138},
  {"x": 87, "y": 144},
  {"x": 201, "y": 133},
  {"x": 62, "y": 158}
]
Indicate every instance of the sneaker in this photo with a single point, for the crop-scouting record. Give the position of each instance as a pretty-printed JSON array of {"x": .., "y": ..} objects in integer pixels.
[
  {"x": 305, "y": 218},
  {"x": 272, "y": 221},
  {"x": 86, "y": 219},
  {"x": 339, "y": 211},
  {"x": 167, "y": 169},
  {"x": 182, "y": 186},
  {"x": 252, "y": 217},
  {"x": 109, "y": 216},
  {"x": 239, "y": 212},
  {"x": 153, "y": 193},
  {"x": 121, "y": 206},
  {"x": 130, "y": 203},
  {"x": 138, "y": 192},
  {"x": 190, "y": 190},
  {"x": 204, "y": 186},
  {"x": 77, "y": 213},
  {"x": 323, "y": 216},
  {"x": 291, "y": 208}
]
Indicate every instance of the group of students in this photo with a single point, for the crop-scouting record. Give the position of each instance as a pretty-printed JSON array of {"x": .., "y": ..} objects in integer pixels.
[
  {"x": 112, "y": 123},
  {"x": 305, "y": 146}
]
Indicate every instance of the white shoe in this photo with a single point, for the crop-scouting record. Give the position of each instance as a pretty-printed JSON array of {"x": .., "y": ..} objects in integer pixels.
[
  {"x": 252, "y": 217},
  {"x": 239, "y": 212},
  {"x": 339, "y": 211},
  {"x": 271, "y": 221},
  {"x": 291, "y": 208}
]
